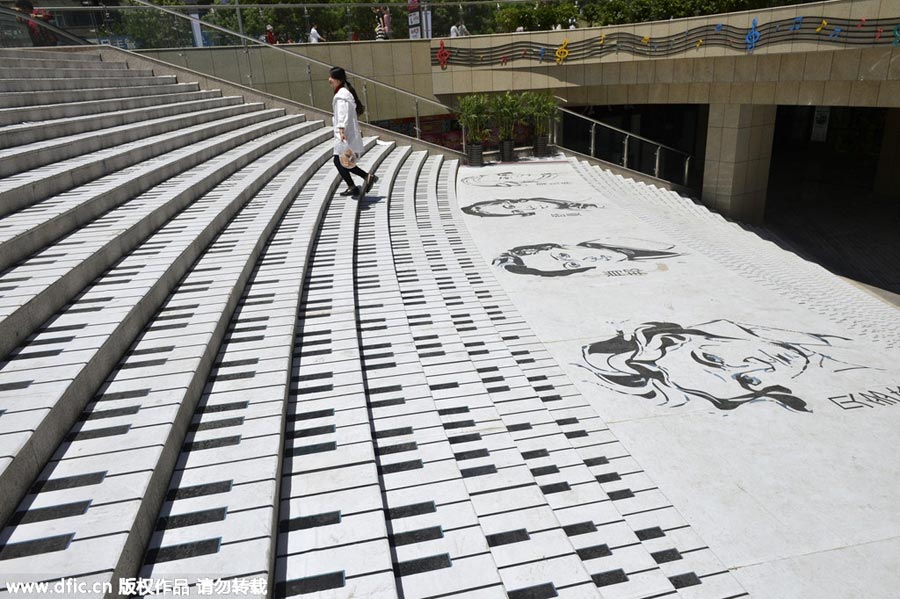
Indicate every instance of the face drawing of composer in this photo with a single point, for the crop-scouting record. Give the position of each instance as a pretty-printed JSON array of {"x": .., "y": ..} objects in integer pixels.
[
  {"x": 508, "y": 179},
  {"x": 522, "y": 207},
  {"x": 555, "y": 260},
  {"x": 726, "y": 363}
]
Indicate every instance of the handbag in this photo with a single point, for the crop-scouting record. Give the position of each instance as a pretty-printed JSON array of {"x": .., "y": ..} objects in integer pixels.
[{"x": 346, "y": 155}]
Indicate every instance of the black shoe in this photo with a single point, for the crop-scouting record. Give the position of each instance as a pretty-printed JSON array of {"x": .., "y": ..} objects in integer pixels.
[
  {"x": 358, "y": 193},
  {"x": 349, "y": 191},
  {"x": 370, "y": 181}
]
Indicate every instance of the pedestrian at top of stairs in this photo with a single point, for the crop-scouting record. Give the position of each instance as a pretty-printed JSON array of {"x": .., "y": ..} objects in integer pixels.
[{"x": 348, "y": 143}]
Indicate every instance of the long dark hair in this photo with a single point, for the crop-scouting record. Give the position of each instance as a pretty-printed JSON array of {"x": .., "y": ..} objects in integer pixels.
[{"x": 341, "y": 75}]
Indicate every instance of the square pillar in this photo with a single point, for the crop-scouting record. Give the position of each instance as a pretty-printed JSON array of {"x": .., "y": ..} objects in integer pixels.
[{"x": 738, "y": 153}]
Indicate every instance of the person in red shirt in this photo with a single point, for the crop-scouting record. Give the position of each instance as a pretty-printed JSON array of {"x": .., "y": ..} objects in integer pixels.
[
  {"x": 40, "y": 36},
  {"x": 270, "y": 35}
]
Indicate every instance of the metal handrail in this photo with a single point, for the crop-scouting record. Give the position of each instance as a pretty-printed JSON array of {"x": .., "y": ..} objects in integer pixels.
[
  {"x": 622, "y": 131},
  {"x": 294, "y": 55}
]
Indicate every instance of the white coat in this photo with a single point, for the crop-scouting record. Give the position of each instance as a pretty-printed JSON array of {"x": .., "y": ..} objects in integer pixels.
[{"x": 344, "y": 109}]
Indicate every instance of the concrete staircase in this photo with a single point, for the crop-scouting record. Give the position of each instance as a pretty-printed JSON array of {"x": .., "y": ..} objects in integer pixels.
[{"x": 214, "y": 367}]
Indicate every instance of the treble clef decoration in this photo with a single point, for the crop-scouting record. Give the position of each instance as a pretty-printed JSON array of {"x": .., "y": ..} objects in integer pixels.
[
  {"x": 752, "y": 37},
  {"x": 562, "y": 53},
  {"x": 443, "y": 56}
]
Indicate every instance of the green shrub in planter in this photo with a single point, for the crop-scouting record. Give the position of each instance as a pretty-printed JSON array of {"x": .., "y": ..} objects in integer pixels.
[
  {"x": 540, "y": 109},
  {"x": 474, "y": 115},
  {"x": 507, "y": 112}
]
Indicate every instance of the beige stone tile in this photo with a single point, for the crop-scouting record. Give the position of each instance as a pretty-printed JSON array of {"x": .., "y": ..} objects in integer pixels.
[
  {"x": 864, "y": 93},
  {"x": 611, "y": 72},
  {"x": 462, "y": 82},
  {"x": 889, "y": 93},
  {"x": 786, "y": 92},
  {"x": 768, "y": 67},
  {"x": 745, "y": 68},
  {"x": 658, "y": 94},
  {"x": 837, "y": 93},
  {"x": 724, "y": 68},
  {"x": 664, "y": 71},
  {"x": 638, "y": 94},
  {"x": 728, "y": 150},
  {"x": 597, "y": 95},
  {"x": 894, "y": 67},
  {"x": 791, "y": 67},
  {"x": 845, "y": 65},
  {"x": 482, "y": 81},
  {"x": 372, "y": 57},
  {"x": 873, "y": 64},
  {"x": 753, "y": 151},
  {"x": 628, "y": 73},
  {"x": 617, "y": 95},
  {"x": 403, "y": 64},
  {"x": 741, "y": 93},
  {"x": 421, "y": 57},
  {"x": 838, "y": 10},
  {"x": 716, "y": 116},
  {"x": 540, "y": 78},
  {"x": 646, "y": 70},
  {"x": 679, "y": 93},
  {"x": 423, "y": 86},
  {"x": 714, "y": 143},
  {"x": 442, "y": 83},
  {"x": 684, "y": 71},
  {"x": 699, "y": 93},
  {"x": 739, "y": 179},
  {"x": 864, "y": 8},
  {"x": 502, "y": 80},
  {"x": 578, "y": 96},
  {"x": 818, "y": 66},
  {"x": 738, "y": 115},
  {"x": 719, "y": 92},
  {"x": 764, "y": 92},
  {"x": 811, "y": 93},
  {"x": 703, "y": 71}
]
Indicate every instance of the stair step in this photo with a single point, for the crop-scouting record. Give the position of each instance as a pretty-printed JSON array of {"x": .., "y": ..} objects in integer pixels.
[
  {"x": 22, "y": 99},
  {"x": 30, "y": 133},
  {"x": 30, "y": 187},
  {"x": 10, "y": 72},
  {"x": 47, "y": 112},
  {"x": 28, "y": 231},
  {"x": 48, "y": 54},
  {"x": 34, "y": 155},
  {"x": 33, "y": 85}
]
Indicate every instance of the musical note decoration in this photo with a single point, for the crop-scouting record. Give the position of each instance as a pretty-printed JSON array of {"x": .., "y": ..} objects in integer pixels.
[
  {"x": 897, "y": 35},
  {"x": 541, "y": 55},
  {"x": 719, "y": 27},
  {"x": 862, "y": 22},
  {"x": 835, "y": 34},
  {"x": 504, "y": 59},
  {"x": 752, "y": 37},
  {"x": 822, "y": 26},
  {"x": 524, "y": 52},
  {"x": 878, "y": 33},
  {"x": 562, "y": 53},
  {"x": 443, "y": 56},
  {"x": 602, "y": 39},
  {"x": 645, "y": 40},
  {"x": 777, "y": 27},
  {"x": 798, "y": 23},
  {"x": 699, "y": 43}
]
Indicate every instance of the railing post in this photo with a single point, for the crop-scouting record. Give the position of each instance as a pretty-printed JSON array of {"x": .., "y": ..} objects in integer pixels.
[
  {"x": 463, "y": 127},
  {"x": 418, "y": 130},
  {"x": 687, "y": 168},
  {"x": 366, "y": 96},
  {"x": 656, "y": 162},
  {"x": 593, "y": 140},
  {"x": 309, "y": 77},
  {"x": 625, "y": 152}
]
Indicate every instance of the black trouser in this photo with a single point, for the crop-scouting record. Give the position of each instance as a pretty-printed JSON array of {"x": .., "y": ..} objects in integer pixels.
[{"x": 345, "y": 172}]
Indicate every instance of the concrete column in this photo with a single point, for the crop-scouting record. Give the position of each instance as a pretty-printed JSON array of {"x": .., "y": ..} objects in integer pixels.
[
  {"x": 887, "y": 177},
  {"x": 738, "y": 153}
]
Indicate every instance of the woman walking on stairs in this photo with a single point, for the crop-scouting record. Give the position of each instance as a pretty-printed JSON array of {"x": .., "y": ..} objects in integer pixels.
[{"x": 348, "y": 144}]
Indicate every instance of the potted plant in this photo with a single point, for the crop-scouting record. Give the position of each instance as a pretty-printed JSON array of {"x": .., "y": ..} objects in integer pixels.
[
  {"x": 506, "y": 110},
  {"x": 473, "y": 115},
  {"x": 541, "y": 111}
]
